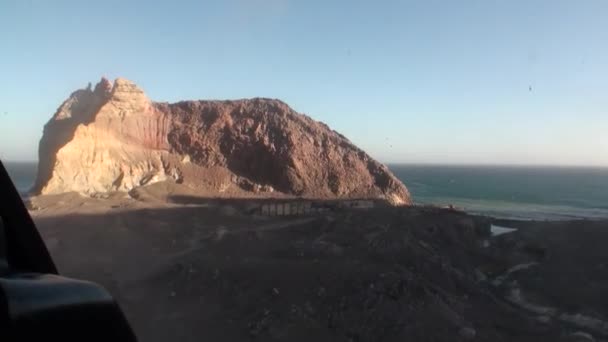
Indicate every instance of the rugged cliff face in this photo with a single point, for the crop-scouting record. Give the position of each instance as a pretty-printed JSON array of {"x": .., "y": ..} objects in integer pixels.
[{"x": 113, "y": 138}]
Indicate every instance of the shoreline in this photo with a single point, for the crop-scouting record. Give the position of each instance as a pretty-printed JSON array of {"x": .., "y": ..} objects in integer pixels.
[
  {"x": 489, "y": 213},
  {"x": 440, "y": 185}
]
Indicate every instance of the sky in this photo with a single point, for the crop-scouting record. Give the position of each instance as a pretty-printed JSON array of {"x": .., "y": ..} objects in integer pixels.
[{"x": 456, "y": 82}]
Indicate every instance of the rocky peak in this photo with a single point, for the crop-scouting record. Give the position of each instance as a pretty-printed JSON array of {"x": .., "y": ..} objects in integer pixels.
[
  {"x": 128, "y": 98},
  {"x": 83, "y": 103},
  {"x": 121, "y": 140},
  {"x": 103, "y": 88},
  {"x": 126, "y": 89}
]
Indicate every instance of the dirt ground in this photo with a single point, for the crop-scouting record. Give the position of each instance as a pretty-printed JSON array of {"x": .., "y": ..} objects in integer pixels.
[{"x": 207, "y": 271}]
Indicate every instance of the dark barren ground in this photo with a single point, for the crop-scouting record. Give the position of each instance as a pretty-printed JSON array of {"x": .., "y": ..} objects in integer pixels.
[{"x": 208, "y": 271}]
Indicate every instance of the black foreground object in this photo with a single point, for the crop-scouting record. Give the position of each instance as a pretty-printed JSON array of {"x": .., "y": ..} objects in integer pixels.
[{"x": 37, "y": 303}]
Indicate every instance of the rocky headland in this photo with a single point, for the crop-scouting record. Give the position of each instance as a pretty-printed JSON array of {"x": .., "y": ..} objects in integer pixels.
[{"x": 111, "y": 137}]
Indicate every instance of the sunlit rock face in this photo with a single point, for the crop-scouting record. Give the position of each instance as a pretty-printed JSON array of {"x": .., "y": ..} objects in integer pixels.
[{"x": 113, "y": 138}]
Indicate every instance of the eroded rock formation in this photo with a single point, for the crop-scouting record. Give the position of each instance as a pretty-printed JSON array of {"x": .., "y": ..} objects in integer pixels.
[{"x": 113, "y": 138}]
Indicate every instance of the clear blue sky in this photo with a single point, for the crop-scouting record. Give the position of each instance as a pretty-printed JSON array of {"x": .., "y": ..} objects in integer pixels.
[{"x": 408, "y": 81}]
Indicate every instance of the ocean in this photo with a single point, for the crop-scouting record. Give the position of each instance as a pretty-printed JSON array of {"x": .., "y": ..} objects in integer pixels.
[
  {"x": 516, "y": 192},
  {"x": 23, "y": 174}
]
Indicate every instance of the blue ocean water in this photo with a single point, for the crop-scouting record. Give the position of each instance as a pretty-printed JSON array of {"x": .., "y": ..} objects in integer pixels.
[
  {"x": 552, "y": 193},
  {"x": 522, "y": 192},
  {"x": 23, "y": 175}
]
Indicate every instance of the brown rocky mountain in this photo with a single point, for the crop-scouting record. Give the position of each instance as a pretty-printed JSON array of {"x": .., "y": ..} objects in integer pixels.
[{"x": 113, "y": 138}]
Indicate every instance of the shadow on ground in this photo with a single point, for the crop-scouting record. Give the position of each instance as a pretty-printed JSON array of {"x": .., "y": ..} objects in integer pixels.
[{"x": 194, "y": 273}]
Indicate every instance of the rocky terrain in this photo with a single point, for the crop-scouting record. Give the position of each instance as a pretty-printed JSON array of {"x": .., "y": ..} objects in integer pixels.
[
  {"x": 187, "y": 268},
  {"x": 111, "y": 137}
]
